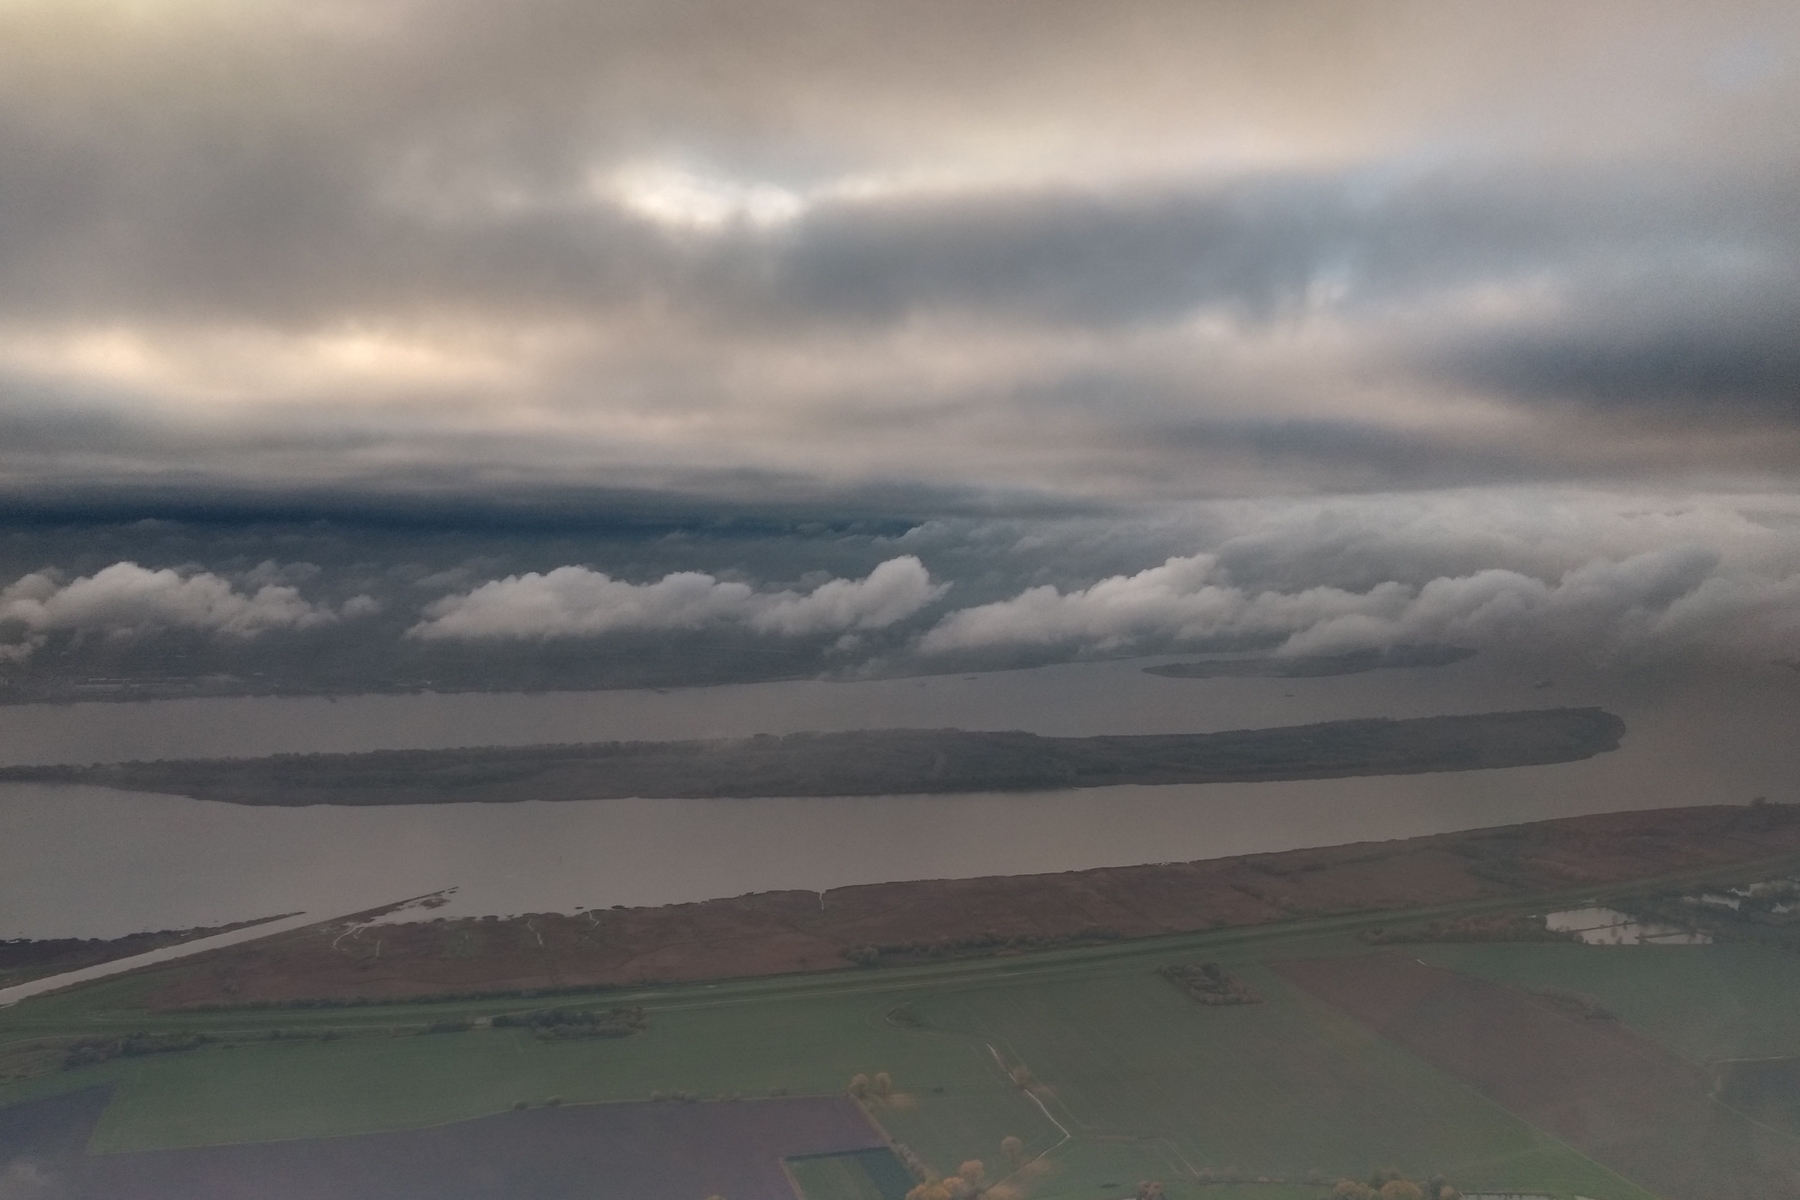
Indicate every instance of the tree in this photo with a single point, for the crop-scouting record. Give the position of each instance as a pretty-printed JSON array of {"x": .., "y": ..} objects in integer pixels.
[
  {"x": 930, "y": 1191},
  {"x": 883, "y": 1083},
  {"x": 1350, "y": 1189},
  {"x": 1012, "y": 1150},
  {"x": 1021, "y": 1076},
  {"x": 1401, "y": 1189},
  {"x": 1149, "y": 1189},
  {"x": 859, "y": 1085},
  {"x": 973, "y": 1172}
]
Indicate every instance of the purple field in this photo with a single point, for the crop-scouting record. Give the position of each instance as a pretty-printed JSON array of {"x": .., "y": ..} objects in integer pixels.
[{"x": 591, "y": 1152}]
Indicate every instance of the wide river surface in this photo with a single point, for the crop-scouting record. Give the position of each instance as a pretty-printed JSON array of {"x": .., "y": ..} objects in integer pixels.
[{"x": 89, "y": 862}]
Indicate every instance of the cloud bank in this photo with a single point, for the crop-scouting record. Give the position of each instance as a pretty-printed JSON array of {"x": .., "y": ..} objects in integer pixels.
[
  {"x": 1675, "y": 599},
  {"x": 1640, "y": 576},
  {"x": 577, "y": 601},
  {"x": 126, "y": 600}
]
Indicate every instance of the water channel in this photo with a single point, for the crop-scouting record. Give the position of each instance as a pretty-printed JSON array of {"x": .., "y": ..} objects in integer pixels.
[{"x": 88, "y": 862}]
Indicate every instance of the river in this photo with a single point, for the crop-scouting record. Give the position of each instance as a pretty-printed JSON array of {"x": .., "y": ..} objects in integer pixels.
[{"x": 89, "y": 862}]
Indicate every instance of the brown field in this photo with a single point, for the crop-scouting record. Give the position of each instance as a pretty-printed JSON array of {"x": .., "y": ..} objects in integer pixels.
[
  {"x": 590, "y": 1152},
  {"x": 776, "y": 932},
  {"x": 1605, "y": 1090}
]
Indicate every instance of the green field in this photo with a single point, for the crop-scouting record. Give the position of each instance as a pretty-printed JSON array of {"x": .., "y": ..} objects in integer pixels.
[
  {"x": 859, "y": 1175},
  {"x": 799, "y": 1044},
  {"x": 1285, "y": 1088},
  {"x": 1705, "y": 1003},
  {"x": 1132, "y": 1079}
]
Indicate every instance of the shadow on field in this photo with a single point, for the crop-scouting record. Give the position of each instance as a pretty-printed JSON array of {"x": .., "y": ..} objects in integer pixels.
[{"x": 594, "y": 1152}]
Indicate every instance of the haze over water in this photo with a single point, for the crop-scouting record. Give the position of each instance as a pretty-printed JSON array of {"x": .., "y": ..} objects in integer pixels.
[{"x": 91, "y": 862}]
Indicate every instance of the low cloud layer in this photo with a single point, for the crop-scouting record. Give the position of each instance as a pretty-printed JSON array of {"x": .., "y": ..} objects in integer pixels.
[
  {"x": 1677, "y": 599},
  {"x": 689, "y": 598},
  {"x": 582, "y": 602},
  {"x": 126, "y": 600}
]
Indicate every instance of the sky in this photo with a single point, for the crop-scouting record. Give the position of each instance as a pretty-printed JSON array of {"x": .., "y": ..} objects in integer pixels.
[{"x": 1150, "y": 324}]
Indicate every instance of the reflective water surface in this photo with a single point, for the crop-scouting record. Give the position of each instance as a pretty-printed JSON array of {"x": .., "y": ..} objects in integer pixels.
[{"x": 92, "y": 862}]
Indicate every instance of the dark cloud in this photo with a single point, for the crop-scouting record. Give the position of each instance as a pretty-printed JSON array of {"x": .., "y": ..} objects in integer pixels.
[
  {"x": 1733, "y": 359},
  {"x": 1149, "y": 251}
]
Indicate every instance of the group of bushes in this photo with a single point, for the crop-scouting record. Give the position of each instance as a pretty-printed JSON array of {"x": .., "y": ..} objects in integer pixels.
[
  {"x": 555, "y": 1024},
  {"x": 1209, "y": 983},
  {"x": 906, "y": 1017},
  {"x": 862, "y": 1086},
  {"x": 90, "y": 1051},
  {"x": 970, "y": 1180},
  {"x": 1575, "y": 1004},
  {"x": 1387, "y": 1184},
  {"x": 433, "y": 998},
  {"x": 1501, "y": 927},
  {"x": 1392, "y": 1185},
  {"x": 980, "y": 945}
]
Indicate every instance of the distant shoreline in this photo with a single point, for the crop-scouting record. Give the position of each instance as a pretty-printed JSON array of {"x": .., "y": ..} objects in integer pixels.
[
  {"x": 936, "y": 920},
  {"x": 1314, "y": 666},
  {"x": 866, "y": 763},
  {"x": 52, "y": 690}
]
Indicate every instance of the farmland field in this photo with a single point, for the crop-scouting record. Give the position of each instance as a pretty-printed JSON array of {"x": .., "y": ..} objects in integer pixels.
[
  {"x": 1129, "y": 1079},
  {"x": 857, "y": 1175},
  {"x": 1706, "y": 1003},
  {"x": 1604, "y": 1088},
  {"x": 1765, "y": 1089},
  {"x": 1278, "y": 1089},
  {"x": 379, "y": 1073},
  {"x": 590, "y": 1152},
  {"x": 804, "y": 1046}
]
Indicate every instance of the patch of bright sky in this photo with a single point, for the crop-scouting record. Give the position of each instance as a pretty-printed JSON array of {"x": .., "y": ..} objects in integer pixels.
[
  {"x": 673, "y": 196},
  {"x": 685, "y": 196},
  {"x": 229, "y": 366}
]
